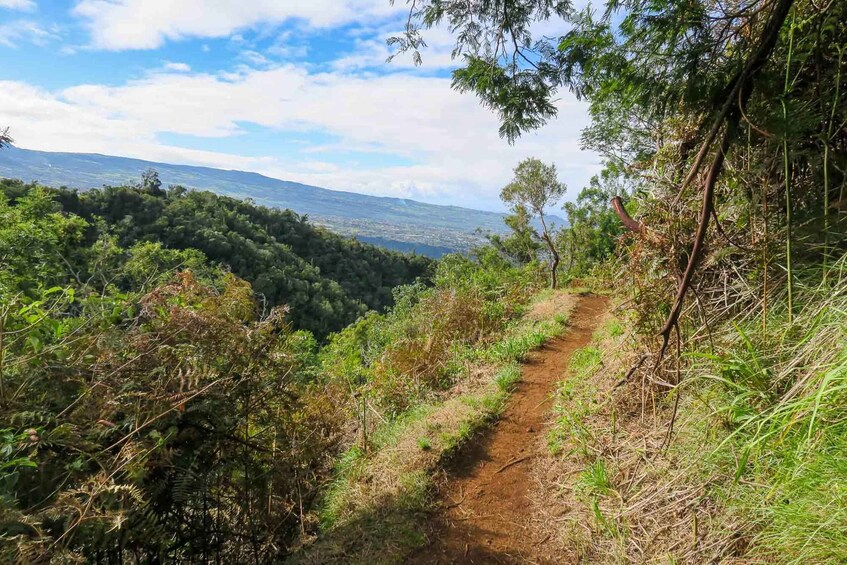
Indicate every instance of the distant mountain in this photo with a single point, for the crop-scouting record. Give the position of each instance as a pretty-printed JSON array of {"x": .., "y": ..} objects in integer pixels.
[{"x": 395, "y": 223}]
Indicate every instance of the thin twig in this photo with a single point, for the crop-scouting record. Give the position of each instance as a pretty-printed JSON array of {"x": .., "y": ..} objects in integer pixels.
[{"x": 513, "y": 462}]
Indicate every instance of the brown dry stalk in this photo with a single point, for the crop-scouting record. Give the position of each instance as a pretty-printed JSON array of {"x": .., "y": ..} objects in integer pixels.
[{"x": 512, "y": 462}]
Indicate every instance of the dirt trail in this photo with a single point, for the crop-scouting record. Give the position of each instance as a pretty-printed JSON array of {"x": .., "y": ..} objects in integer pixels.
[{"x": 485, "y": 514}]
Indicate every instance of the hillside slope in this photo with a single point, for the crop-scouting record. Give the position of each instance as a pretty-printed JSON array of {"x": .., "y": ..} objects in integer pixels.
[{"x": 396, "y": 222}]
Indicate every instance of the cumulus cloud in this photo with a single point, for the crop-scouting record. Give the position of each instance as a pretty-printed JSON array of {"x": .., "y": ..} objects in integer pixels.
[
  {"x": 148, "y": 24},
  {"x": 448, "y": 140}
]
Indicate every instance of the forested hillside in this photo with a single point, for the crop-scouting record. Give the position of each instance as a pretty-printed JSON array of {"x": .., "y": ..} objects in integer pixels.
[
  {"x": 326, "y": 280},
  {"x": 155, "y": 408}
]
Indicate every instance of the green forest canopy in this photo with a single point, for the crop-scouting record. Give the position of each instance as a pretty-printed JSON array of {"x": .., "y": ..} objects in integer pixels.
[{"x": 327, "y": 281}]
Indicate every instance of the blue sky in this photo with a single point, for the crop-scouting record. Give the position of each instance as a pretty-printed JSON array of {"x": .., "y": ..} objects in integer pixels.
[{"x": 298, "y": 90}]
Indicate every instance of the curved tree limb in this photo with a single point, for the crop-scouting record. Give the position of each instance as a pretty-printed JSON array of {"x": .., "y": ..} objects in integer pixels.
[
  {"x": 706, "y": 209},
  {"x": 625, "y": 218}
]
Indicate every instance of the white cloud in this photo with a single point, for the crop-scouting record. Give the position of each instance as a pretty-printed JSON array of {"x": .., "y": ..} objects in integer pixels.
[
  {"x": 23, "y": 5},
  {"x": 147, "y": 24},
  {"x": 13, "y": 33},
  {"x": 449, "y": 139},
  {"x": 178, "y": 67}
]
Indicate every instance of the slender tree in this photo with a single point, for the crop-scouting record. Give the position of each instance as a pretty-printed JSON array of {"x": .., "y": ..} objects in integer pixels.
[
  {"x": 5, "y": 138},
  {"x": 523, "y": 244},
  {"x": 536, "y": 187}
]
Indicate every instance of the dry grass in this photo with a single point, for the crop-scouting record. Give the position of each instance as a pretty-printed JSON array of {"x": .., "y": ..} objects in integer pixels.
[
  {"x": 553, "y": 303},
  {"x": 609, "y": 491}
]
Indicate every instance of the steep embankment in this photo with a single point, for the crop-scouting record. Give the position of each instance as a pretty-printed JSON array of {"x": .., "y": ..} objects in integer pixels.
[
  {"x": 484, "y": 515},
  {"x": 383, "y": 501}
]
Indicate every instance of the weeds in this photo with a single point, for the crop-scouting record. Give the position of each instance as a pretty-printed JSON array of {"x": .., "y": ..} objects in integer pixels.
[
  {"x": 755, "y": 470},
  {"x": 507, "y": 377},
  {"x": 784, "y": 400},
  {"x": 570, "y": 432}
]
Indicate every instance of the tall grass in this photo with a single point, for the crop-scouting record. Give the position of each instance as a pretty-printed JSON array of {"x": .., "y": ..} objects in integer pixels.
[{"x": 784, "y": 405}]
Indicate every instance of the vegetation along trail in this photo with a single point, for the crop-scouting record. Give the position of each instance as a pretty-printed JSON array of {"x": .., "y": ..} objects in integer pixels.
[{"x": 484, "y": 515}]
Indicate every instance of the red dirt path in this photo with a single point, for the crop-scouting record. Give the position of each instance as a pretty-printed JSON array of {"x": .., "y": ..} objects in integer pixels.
[{"x": 484, "y": 515}]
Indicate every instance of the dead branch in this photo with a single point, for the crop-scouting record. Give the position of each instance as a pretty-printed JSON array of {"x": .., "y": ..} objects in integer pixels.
[
  {"x": 631, "y": 371},
  {"x": 728, "y": 119},
  {"x": 512, "y": 462}
]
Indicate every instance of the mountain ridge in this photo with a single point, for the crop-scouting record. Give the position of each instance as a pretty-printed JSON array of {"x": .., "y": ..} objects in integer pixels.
[{"x": 397, "y": 223}]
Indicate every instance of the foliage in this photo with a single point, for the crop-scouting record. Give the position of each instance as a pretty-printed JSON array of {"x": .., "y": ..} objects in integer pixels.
[
  {"x": 533, "y": 190},
  {"x": 782, "y": 396},
  {"x": 524, "y": 243},
  {"x": 747, "y": 100},
  {"x": 128, "y": 433},
  {"x": 723, "y": 124},
  {"x": 399, "y": 358},
  {"x": 5, "y": 138},
  {"x": 326, "y": 281},
  {"x": 535, "y": 187},
  {"x": 593, "y": 231}
]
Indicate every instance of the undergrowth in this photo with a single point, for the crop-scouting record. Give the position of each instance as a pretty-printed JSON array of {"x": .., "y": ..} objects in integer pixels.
[{"x": 753, "y": 469}]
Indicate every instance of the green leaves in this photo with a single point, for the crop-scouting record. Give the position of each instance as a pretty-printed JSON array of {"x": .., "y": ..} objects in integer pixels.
[{"x": 522, "y": 99}]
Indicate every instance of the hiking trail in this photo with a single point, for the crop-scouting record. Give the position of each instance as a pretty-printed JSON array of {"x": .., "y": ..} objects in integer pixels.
[{"x": 484, "y": 515}]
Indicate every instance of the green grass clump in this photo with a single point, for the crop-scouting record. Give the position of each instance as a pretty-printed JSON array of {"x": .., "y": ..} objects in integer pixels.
[
  {"x": 416, "y": 491},
  {"x": 523, "y": 339},
  {"x": 347, "y": 468},
  {"x": 454, "y": 438},
  {"x": 594, "y": 480},
  {"x": 507, "y": 377}
]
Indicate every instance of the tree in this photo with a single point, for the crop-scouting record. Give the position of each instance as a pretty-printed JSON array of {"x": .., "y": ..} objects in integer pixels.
[
  {"x": 5, "y": 138},
  {"x": 523, "y": 244},
  {"x": 151, "y": 184},
  {"x": 684, "y": 94},
  {"x": 535, "y": 188},
  {"x": 326, "y": 280},
  {"x": 593, "y": 227}
]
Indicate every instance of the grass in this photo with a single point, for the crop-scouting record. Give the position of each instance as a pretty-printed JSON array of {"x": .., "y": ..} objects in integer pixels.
[
  {"x": 507, "y": 377},
  {"x": 575, "y": 402},
  {"x": 756, "y": 470},
  {"x": 594, "y": 480},
  {"x": 523, "y": 339},
  {"x": 783, "y": 397}
]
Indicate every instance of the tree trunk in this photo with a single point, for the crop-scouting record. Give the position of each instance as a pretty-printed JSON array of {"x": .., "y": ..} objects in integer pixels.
[
  {"x": 555, "y": 266},
  {"x": 553, "y": 252}
]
